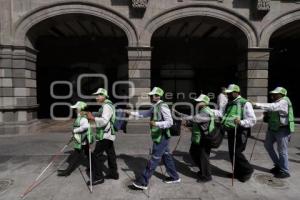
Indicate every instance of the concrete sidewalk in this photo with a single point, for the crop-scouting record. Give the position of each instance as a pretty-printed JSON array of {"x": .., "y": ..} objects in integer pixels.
[{"x": 22, "y": 158}]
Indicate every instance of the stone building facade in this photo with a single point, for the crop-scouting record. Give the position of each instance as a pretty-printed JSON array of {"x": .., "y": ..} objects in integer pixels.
[{"x": 251, "y": 42}]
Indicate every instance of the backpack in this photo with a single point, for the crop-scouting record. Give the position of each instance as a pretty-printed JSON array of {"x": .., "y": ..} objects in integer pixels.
[{"x": 215, "y": 138}]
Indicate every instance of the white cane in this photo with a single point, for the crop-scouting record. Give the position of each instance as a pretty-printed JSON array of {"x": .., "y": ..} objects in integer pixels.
[
  {"x": 90, "y": 162},
  {"x": 35, "y": 182},
  {"x": 233, "y": 159}
]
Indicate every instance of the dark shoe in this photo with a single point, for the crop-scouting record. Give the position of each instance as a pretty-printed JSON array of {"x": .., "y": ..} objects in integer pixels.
[
  {"x": 275, "y": 170},
  {"x": 96, "y": 182},
  {"x": 63, "y": 173},
  {"x": 140, "y": 186},
  {"x": 114, "y": 176},
  {"x": 229, "y": 175},
  {"x": 204, "y": 179},
  {"x": 244, "y": 178},
  {"x": 170, "y": 180},
  {"x": 282, "y": 174},
  {"x": 199, "y": 174}
]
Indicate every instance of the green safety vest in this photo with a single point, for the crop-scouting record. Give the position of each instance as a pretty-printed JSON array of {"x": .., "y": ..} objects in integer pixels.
[
  {"x": 274, "y": 118},
  {"x": 156, "y": 132},
  {"x": 233, "y": 110},
  {"x": 100, "y": 130},
  {"x": 80, "y": 138},
  {"x": 197, "y": 132}
]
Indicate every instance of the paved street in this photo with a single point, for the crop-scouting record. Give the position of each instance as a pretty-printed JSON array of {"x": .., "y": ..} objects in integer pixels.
[{"x": 22, "y": 158}]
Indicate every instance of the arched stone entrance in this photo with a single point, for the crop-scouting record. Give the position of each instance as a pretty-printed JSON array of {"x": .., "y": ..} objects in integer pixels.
[
  {"x": 51, "y": 26},
  {"x": 284, "y": 60},
  {"x": 209, "y": 21},
  {"x": 281, "y": 35}
]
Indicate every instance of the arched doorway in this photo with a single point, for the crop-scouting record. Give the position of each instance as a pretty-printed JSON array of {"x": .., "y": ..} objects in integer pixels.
[
  {"x": 284, "y": 60},
  {"x": 72, "y": 45},
  {"x": 198, "y": 54}
]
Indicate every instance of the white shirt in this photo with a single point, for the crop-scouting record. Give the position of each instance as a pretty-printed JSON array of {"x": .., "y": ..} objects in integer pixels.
[
  {"x": 166, "y": 114},
  {"x": 249, "y": 118},
  {"x": 84, "y": 126},
  {"x": 104, "y": 121},
  {"x": 281, "y": 106},
  {"x": 222, "y": 102}
]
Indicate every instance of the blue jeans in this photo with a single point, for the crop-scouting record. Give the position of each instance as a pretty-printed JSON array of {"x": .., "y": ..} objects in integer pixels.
[
  {"x": 160, "y": 151},
  {"x": 281, "y": 137}
]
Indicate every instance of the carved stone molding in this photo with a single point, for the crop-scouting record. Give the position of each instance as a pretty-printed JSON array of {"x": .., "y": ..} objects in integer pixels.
[
  {"x": 142, "y": 4},
  {"x": 263, "y": 5}
]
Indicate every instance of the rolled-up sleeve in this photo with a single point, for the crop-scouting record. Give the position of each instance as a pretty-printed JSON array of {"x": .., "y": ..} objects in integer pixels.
[
  {"x": 249, "y": 116},
  {"x": 105, "y": 118},
  {"x": 167, "y": 117}
]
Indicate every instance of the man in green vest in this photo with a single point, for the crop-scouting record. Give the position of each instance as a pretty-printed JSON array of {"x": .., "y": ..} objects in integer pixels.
[
  {"x": 281, "y": 124},
  {"x": 203, "y": 123},
  {"x": 161, "y": 121},
  {"x": 105, "y": 137},
  {"x": 82, "y": 136},
  {"x": 237, "y": 121}
]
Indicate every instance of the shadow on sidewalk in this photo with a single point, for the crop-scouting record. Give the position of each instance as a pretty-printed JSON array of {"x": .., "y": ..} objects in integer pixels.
[{"x": 137, "y": 165}]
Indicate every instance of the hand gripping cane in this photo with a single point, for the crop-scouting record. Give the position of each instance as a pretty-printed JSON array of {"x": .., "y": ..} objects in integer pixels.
[{"x": 33, "y": 185}]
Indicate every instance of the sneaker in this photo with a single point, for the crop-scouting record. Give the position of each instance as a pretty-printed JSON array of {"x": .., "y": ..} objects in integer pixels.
[
  {"x": 282, "y": 174},
  {"x": 139, "y": 185},
  {"x": 170, "y": 180},
  {"x": 96, "y": 182}
]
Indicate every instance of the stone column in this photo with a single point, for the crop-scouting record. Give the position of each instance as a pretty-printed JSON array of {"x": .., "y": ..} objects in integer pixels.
[
  {"x": 257, "y": 74},
  {"x": 139, "y": 72},
  {"x": 18, "y": 102}
]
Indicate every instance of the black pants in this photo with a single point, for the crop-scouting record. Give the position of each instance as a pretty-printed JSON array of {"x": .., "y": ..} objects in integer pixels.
[
  {"x": 200, "y": 155},
  {"x": 98, "y": 158},
  {"x": 77, "y": 157},
  {"x": 242, "y": 166}
]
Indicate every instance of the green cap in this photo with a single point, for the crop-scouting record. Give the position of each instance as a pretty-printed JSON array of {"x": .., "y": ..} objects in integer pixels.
[
  {"x": 233, "y": 88},
  {"x": 101, "y": 91},
  {"x": 156, "y": 91},
  {"x": 279, "y": 90},
  {"x": 80, "y": 105},
  {"x": 203, "y": 98}
]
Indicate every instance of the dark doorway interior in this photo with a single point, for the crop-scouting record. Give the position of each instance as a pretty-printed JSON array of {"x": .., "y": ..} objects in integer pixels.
[
  {"x": 196, "y": 55},
  {"x": 73, "y": 45},
  {"x": 284, "y": 61}
]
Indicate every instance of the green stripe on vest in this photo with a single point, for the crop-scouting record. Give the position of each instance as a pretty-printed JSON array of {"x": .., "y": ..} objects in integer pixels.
[
  {"x": 156, "y": 132},
  {"x": 100, "y": 130},
  {"x": 196, "y": 131},
  {"x": 233, "y": 110},
  {"x": 274, "y": 118}
]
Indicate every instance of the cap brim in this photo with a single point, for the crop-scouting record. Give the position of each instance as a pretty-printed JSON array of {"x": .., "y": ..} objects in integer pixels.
[
  {"x": 96, "y": 93},
  {"x": 228, "y": 91},
  {"x": 151, "y": 94},
  {"x": 275, "y": 92},
  {"x": 73, "y": 107}
]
